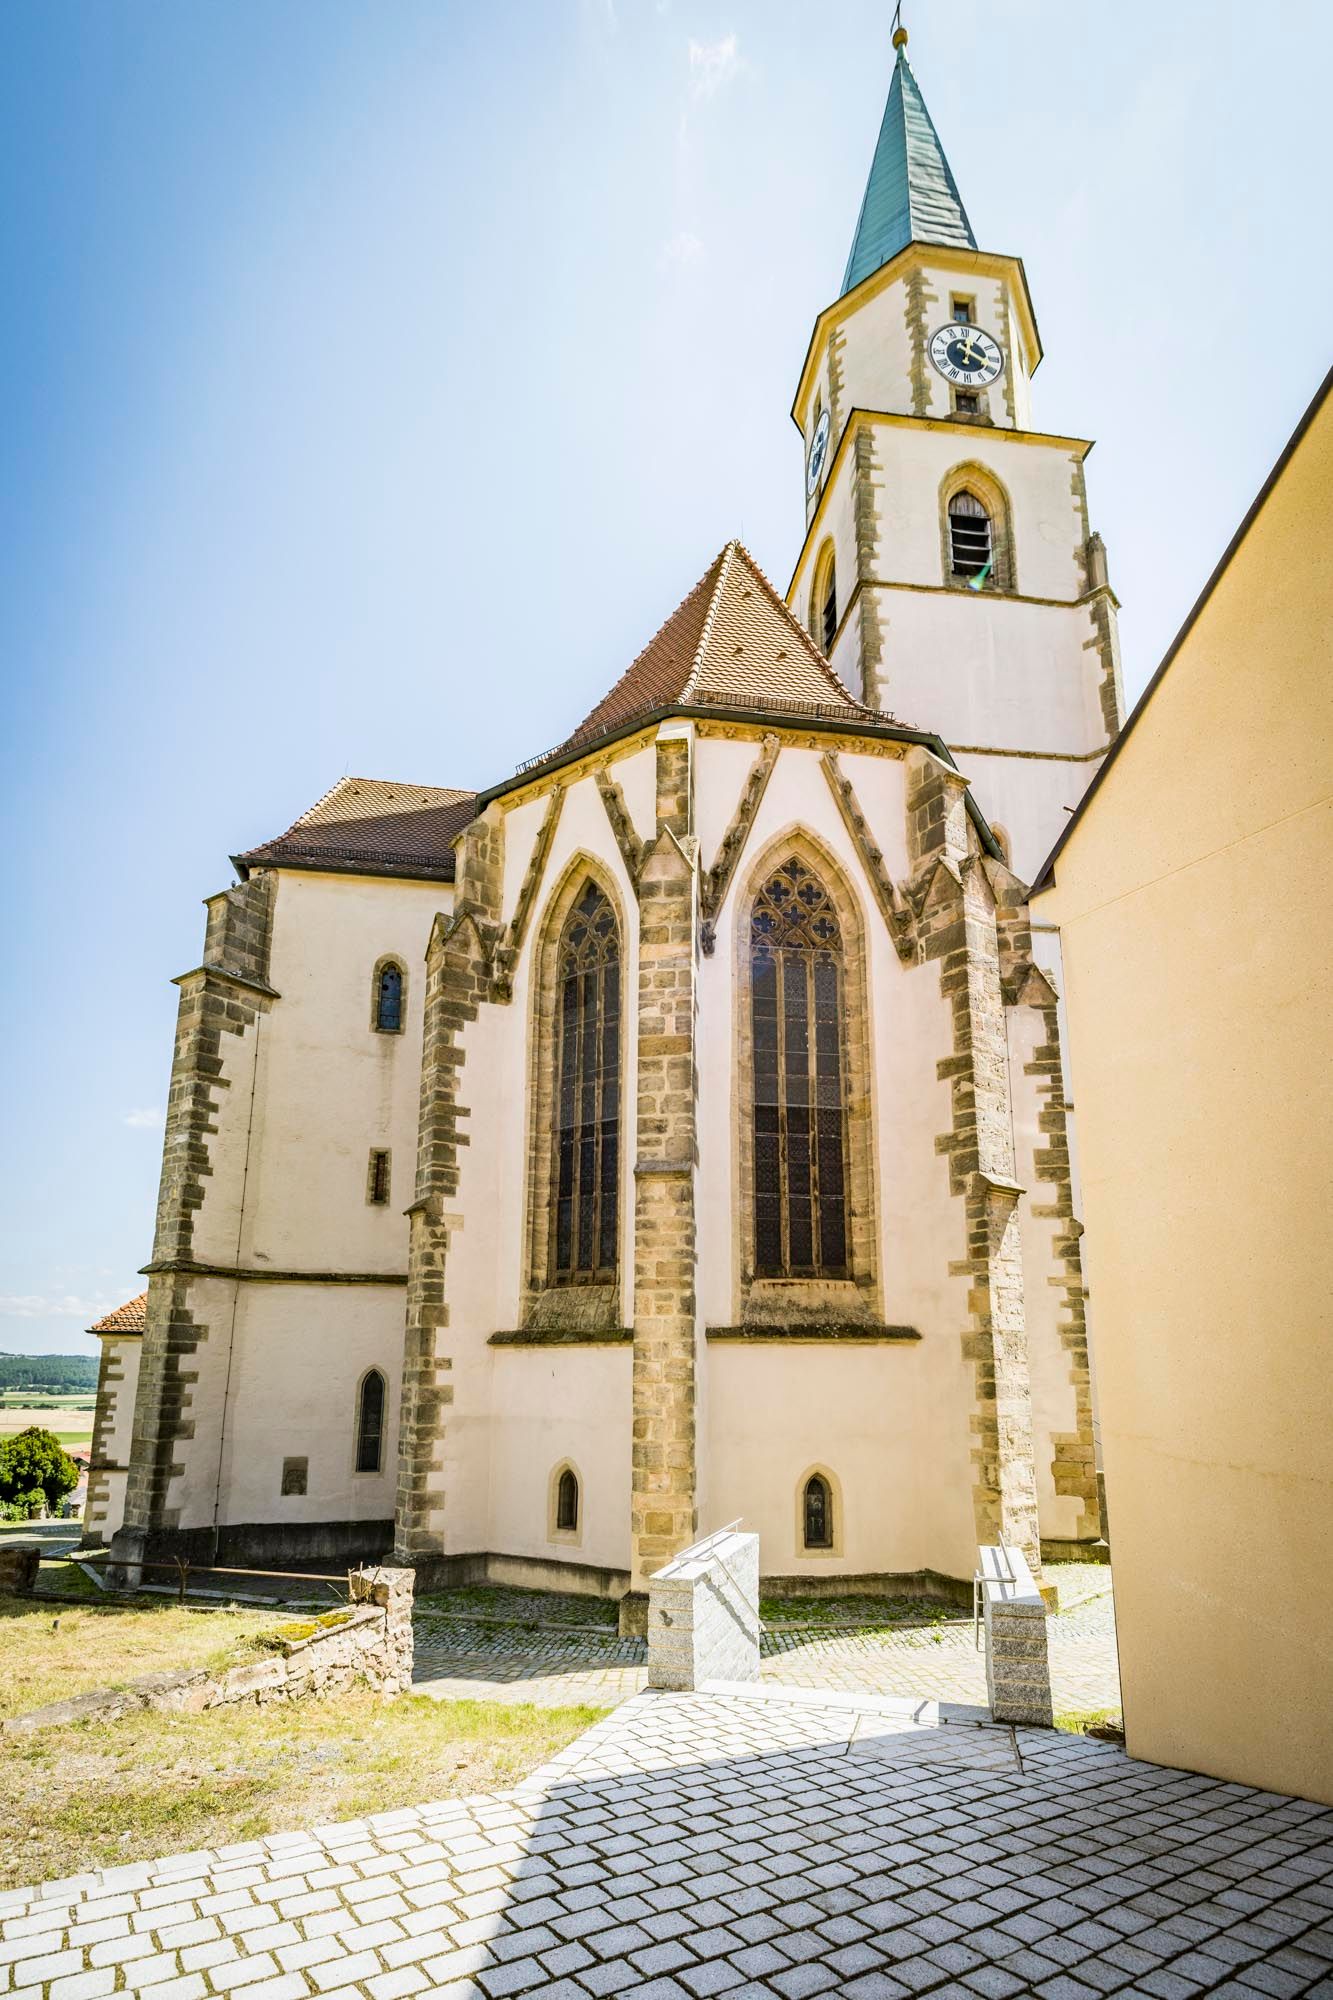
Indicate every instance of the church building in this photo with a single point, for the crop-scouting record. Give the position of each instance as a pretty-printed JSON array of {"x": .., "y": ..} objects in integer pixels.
[{"x": 675, "y": 1131}]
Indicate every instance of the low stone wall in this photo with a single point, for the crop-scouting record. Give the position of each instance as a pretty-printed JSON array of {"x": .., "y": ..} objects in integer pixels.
[
  {"x": 19, "y": 1563},
  {"x": 1018, "y": 1675},
  {"x": 703, "y": 1614},
  {"x": 371, "y": 1645}
]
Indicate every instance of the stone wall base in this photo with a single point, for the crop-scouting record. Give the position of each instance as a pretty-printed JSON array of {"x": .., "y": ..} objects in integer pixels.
[
  {"x": 248, "y": 1544},
  {"x": 1075, "y": 1552},
  {"x": 372, "y": 1646}
]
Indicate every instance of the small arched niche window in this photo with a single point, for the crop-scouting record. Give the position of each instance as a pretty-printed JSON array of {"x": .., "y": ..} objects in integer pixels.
[
  {"x": 587, "y": 1104},
  {"x": 388, "y": 998},
  {"x": 971, "y": 546},
  {"x": 817, "y": 1513},
  {"x": 824, "y": 601},
  {"x": 800, "y": 1125},
  {"x": 370, "y": 1423},
  {"x": 567, "y": 1502}
]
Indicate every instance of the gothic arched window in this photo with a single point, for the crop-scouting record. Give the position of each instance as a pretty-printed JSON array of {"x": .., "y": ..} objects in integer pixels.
[
  {"x": 567, "y": 1502},
  {"x": 971, "y": 550},
  {"x": 587, "y": 1095},
  {"x": 370, "y": 1422},
  {"x": 824, "y": 601},
  {"x": 817, "y": 1513},
  {"x": 389, "y": 998},
  {"x": 800, "y": 1135}
]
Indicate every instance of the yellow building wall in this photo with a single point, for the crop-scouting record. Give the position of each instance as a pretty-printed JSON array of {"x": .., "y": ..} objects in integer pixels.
[{"x": 1193, "y": 901}]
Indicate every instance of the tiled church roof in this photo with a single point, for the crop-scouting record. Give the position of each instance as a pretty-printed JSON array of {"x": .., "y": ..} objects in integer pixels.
[
  {"x": 733, "y": 642},
  {"x": 374, "y": 827},
  {"x": 132, "y": 1317}
]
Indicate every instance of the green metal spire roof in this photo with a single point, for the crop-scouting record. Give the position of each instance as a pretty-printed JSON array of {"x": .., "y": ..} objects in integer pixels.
[{"x": 911, "y": 196}]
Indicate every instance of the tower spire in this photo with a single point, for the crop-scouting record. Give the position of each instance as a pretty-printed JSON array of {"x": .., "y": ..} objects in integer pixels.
[{"x": 911, "y": 195}]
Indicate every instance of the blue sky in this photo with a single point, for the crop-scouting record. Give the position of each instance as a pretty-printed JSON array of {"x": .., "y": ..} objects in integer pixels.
[{"x": 377, "y": 379}]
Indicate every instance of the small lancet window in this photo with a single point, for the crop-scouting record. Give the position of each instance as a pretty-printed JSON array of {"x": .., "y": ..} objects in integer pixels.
[
  {"x": 587, "y": 1106},
  {"x": 817, "y": 1511},
  {"x": 389, "y": 1000},
  {"x": 370, "y": 1423},
  {"x": 971, "y": 550},
  {"x": 377, "y": 1192},
  {"x": 800, "y": 1124},
  {"x": 567, "y": 1502}
]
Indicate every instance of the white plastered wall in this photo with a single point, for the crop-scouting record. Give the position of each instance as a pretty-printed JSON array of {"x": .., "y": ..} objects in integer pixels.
[
  {"x": 890, "y": 1423},
  {"x": 308, "y": 1090},
  {"x": 120, "y": 1353},
  {"x": 517, "y": 1412}
]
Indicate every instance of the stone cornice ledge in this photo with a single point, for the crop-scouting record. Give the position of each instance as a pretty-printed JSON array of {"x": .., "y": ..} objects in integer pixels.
[
  {"x": 232, "y": 978},
  {"x": 847, "y": 1336},
  {"x": 562, "y": 1336},
  {"x": 187, "y": 1268},
  {"x": 677, "y": 1167}
]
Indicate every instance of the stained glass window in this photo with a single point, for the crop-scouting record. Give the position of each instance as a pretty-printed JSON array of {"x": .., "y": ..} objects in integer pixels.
[
  {"x": 818, "y": 1513},
  {"x": 389, "y": 1000},
  {"x": 370, "y": 1423},
  {"x": 800, "y": 1139},
  {"x": 587, "y": 1107}
]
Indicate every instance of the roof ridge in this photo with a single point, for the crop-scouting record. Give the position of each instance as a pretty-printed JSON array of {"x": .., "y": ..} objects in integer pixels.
[
  {"x": 821, "y": 660},
  {"x": 723, "y": 565}
]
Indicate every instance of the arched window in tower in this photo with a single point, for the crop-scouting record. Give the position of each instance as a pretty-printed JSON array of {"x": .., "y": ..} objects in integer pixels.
[
  {"x": 971, "y": 550},
  {"x": 587, "y": 1100},
  {"x": 389, "y": 998},
  {"x": 567, "y": 1502},
  {"x": 824, "y": 601},
  {"x": 800, "y": 1124},
  {"x": 370, "y": 1422},
  {"x": 817, "y": 1513}
]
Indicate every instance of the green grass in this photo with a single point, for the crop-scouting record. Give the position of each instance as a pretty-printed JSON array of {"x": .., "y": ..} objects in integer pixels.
[
  {"x": 50, "y": 1650},
  {"x": 866, "y": 1614},
  {"x": 1080, "y": 1721},
  {"x": 95, "y": 1795}
]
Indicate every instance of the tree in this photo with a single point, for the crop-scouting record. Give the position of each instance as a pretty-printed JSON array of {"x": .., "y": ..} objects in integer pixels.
[{"x": 36, "y": 1460}]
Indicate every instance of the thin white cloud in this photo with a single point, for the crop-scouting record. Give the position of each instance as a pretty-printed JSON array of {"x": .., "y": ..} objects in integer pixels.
[
  {"x": 683, "y": 248},
  {"x": 150, "y": 1119},
  {"x": 713, "y": 65},
  {"x": 31, "y": 1305}
]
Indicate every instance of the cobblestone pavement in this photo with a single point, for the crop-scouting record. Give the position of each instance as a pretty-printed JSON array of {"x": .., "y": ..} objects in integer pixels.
[
  {"x": 694, "y": 1845},
  {"x": 938, "y": 1662}
]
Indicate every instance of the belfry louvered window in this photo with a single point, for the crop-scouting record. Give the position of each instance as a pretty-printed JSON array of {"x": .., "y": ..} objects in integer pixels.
[
  {"x": 587, "y": 1107},
  {"x": 970, "y": 547},
  {"x": 800, "y": 1125},
  {"x": 826, "y": 601}
]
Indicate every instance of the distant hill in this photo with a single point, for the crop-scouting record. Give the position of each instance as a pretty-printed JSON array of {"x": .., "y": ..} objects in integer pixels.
[{"x": 53, "y": 1374}]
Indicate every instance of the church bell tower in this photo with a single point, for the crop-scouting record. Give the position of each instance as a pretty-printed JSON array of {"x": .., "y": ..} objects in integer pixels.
[{"x": 949, "y": 569}]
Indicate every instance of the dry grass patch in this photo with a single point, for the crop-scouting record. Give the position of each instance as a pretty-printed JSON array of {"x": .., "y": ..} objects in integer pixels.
[
  {"x": 96, "y": 1795},
  {"x": 51, "y": 1650}
]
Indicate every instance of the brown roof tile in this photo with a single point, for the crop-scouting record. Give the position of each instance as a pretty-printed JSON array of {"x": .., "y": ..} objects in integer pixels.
[
  {"x": 132, "y": 1317},
  {"x": 732, "y": 642},
  {"x": 373, "y": 827}
]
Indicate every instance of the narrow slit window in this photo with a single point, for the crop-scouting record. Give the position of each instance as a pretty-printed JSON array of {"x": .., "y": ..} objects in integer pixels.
[
  {"x": 567, "y": 1502},
  {"x": 818, "y": 1513},
  {"x": 800, "y": 1124},
  {"x": 389, "y": 1000},
  {"x": 971, "y": 549},
  {"x": 587, "y": 1106},
  {"x": 370, "y": 1423},
  {"x": 379, "y": 1178}
]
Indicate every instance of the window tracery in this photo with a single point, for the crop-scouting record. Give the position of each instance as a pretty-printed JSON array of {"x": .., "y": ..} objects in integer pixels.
[
  {"x": 800, "y": 1127},
  {"x": 586, "y": 1118}
]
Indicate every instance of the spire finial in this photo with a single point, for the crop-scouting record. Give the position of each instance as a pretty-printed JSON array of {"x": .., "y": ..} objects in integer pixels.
[{"x": 899, "y": 31}]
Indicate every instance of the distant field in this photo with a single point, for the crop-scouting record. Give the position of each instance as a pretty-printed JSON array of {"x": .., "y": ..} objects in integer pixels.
[{"x": 72, "y": 1422}]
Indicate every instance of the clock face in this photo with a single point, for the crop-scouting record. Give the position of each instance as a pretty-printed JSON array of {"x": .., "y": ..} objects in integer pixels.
[
  {"x": 818, "y": 453},
  {"x": 965, "y": 355}
]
